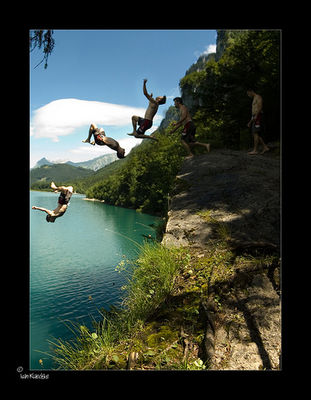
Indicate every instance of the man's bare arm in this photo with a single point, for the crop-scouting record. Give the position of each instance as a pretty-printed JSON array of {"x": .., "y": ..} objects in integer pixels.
[
  {"x": 149, "y": 97},
  {"x": 42, "y": 209},
  {"x": 183, "y": 116}
]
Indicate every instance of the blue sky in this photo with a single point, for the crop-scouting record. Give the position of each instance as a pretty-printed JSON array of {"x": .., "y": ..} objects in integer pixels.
[{"x": 97, "y": 76}]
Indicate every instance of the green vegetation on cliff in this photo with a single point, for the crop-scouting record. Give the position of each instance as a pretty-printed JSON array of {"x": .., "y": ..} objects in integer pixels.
[
  {"x": 216, "y": 93},
  {"x": 150, "y": 282},
  {"x": 161, "y": 323},
  {"x": 146, "y": 177}
]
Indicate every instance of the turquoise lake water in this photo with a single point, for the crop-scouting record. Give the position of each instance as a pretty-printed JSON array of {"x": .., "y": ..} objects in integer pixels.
[{"x": 75, "y": 258}]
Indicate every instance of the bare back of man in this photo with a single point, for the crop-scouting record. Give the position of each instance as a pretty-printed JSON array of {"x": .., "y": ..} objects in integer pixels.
[{"x": 256, "y": 104}]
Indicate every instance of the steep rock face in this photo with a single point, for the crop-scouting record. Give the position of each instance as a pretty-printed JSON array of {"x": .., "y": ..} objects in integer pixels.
[
  {"x": 191, "y": 93},
  {"x": 237, "y": 189},
  {"x": 221, "y": 43},
  {"x": 224, "y": 38},
  {"x": 172, "y": 114},
  {"x": 231, "y": 197},
  {"x": 200, "y": 63}
]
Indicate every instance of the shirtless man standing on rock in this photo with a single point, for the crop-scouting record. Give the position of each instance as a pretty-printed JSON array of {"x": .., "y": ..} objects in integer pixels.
[
  {"x": 146, "y": 122},
  {"x": 256, "y": 122},
  {"x": 188, "y": 134}
]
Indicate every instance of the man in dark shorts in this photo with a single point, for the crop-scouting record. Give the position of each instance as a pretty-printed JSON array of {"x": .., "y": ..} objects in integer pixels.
[
  {"x": 101, "y": 139},
  {"x": 188, "y": 134},
  {"x": 146, "y": 122},
  {"x": 256, "y": 122},
  {"x": 63, "y": 203}
]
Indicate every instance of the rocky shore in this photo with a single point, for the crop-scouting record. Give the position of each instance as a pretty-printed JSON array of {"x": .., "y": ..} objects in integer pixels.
[
  {"x": 209, "y": 298},
  {"x": 227, "y": 203}
]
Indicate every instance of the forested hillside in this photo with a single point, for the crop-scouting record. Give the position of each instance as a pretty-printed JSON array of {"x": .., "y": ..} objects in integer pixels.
[
  {"x": 216, "y": 93},
  {"x": 144, "y": 180},
  {"x": 41, "y": 178}
]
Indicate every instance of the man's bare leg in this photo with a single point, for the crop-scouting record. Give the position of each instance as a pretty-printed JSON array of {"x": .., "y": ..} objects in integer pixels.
[
  {"x": 265, "y": 147},
  {"x": 53, "y": 186},
  {"x": 42, "y": 209},
  {"x": 187, "y": 147},
  {"x": 62, "y": 189},
  {"x": 206, "y": 145},
  {"x": 134, "y": 123},
  {"x": 92, "y": 127},
  {"x": 142, "y": 136},
  {"x": 256, "y": 139}
]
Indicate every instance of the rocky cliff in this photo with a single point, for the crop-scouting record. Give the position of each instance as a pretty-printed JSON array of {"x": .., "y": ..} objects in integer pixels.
[{"x": 226, "y": 209}]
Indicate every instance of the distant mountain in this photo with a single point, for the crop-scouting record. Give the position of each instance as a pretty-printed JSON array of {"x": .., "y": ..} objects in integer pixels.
[
  {"x": 94, "y": 164},
  {"x": 43, "y": 161},
  {"x": 61, "y": 174}
]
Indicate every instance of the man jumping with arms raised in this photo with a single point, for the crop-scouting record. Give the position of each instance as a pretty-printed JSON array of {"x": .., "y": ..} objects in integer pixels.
[{"x": 146, "y": 122}]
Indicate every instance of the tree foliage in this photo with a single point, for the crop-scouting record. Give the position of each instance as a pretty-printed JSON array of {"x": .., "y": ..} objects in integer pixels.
[
  {"x": 145, "y": 179},
  {"x": 217, "y": 93},
  {"x": 39, "y": 38}
]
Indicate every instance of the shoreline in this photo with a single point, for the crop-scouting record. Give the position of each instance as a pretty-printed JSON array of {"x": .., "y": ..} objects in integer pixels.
[{"x": 88, "y": 199}]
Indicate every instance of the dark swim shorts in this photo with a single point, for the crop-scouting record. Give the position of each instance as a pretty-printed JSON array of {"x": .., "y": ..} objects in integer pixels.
[
  {"x": 188, "y": 133},
  {"x": 257, "y": 125},
  {"x": 64, "y": 198},
  {"x": 144, "y": 124},
  {"x": 98, "y": 136}
]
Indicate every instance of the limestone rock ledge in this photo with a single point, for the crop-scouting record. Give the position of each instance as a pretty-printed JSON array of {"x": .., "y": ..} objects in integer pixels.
[{"x": 235, "y": 197}]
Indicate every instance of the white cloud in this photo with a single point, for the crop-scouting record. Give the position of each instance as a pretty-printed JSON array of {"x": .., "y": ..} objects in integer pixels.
[
  {"x": 210, "y": 49},
  {"x": 67, "y": 117},
  {"x": 62, "y": 117}
]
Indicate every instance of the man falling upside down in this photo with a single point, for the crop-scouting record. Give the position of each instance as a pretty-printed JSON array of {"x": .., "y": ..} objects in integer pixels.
[
  {"x": 101, "y": 139},
  {"x": 63, "y": 202},
  {"x": 146, "y": 122}
]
